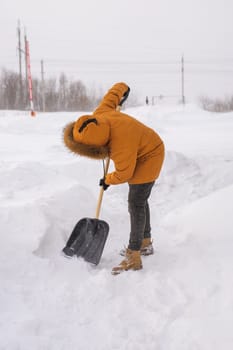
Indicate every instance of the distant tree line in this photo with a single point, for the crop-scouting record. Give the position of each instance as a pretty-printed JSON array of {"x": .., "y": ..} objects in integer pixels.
[
  {"x": 216, "y": 104},
  {"x": 51, "y": 95}
]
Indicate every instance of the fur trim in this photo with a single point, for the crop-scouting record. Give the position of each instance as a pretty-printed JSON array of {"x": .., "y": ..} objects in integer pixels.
[{"x": 91, "y": 151}]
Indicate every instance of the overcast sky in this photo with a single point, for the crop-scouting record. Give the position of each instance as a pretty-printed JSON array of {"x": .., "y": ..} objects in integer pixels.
[{"x": 107, "y": 40}]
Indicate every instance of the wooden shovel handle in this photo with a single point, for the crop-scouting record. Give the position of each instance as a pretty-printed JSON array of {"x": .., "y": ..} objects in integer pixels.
[{"x": 97, "y": 213}]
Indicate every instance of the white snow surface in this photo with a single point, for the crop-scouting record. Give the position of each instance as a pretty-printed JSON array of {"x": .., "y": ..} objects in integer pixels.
[{"x": 182, "y": 299}]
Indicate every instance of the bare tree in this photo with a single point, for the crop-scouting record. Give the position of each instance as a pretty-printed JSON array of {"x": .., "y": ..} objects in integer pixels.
[
  {"x": 9, "y": 83},
  {"x": 51, "y": 95},
  {"x": 62, "y": 92},
  {"x": 77, "y": 99}
]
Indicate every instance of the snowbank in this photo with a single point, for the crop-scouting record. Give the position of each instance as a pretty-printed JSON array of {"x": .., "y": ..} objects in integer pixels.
[{"x": 181, "y": 300}]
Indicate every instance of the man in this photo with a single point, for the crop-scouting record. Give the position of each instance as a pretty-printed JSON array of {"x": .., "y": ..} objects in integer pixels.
[{"x": 137, "y": 152}]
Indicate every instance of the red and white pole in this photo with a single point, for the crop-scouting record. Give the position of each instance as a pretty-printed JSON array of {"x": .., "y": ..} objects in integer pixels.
[{"x": 29, "y": 79}]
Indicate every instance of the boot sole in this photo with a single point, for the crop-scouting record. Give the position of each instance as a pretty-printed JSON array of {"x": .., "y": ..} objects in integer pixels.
[
  {"x": 118, "y": 272},
  {"x": 142, "y": 253}
]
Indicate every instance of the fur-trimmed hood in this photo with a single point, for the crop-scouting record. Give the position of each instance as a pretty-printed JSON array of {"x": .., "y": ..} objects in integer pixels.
[{"x": 87, "y": 150}]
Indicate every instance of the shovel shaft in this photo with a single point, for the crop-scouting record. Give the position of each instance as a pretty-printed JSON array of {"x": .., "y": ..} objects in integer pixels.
[{"x": 97, "y": 213}]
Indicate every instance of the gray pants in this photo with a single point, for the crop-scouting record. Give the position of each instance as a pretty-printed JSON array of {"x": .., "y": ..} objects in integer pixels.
[{"x": 139, "y": 214}]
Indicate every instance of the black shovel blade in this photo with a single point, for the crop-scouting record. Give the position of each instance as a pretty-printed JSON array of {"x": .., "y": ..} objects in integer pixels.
[{"x": 87, "y": 240}]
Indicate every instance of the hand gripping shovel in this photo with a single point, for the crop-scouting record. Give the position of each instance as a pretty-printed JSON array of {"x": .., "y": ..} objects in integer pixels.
[{"x": 88, "y": 237}]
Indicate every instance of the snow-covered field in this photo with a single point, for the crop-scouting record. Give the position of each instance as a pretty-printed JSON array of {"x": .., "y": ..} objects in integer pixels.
[{"x": 181, "y": 300}]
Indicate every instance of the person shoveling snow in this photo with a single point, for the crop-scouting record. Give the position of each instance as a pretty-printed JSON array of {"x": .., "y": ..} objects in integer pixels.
[{"x": 137, "y": 152}]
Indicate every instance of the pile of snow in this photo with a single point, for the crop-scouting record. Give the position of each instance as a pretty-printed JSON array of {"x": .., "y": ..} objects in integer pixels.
[{"x": 182, "y": 299}]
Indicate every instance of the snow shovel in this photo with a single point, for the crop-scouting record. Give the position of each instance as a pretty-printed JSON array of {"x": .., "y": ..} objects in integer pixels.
[{"x": 88, "y": 237}]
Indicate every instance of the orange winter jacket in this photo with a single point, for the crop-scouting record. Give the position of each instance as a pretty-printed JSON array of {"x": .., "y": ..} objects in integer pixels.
[{"x": 136, "y": 150}]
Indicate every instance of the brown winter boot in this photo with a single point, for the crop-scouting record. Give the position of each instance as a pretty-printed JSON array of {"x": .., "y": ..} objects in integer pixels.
[
  {"x": 132, "y": 261},
  {"x": 146, "y": 248}
]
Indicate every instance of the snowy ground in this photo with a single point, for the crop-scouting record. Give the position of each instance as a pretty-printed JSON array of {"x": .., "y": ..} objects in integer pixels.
[{"x": 181, "y": 300}]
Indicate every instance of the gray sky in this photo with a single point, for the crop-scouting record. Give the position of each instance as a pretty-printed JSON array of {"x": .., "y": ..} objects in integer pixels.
[{"x": 104, "y": 41}]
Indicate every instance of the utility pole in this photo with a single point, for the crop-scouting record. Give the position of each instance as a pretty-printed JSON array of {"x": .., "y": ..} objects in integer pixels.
[
  {"x": 25, "y": 57},
  {"x": 20, "y": 65},
  {"x": 182, "y": 80},
  {"x": 29, "y": 79},
  {"x": 42, "y": 85}
]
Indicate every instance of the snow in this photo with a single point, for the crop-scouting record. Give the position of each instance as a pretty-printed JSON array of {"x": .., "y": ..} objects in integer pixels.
[{"x": 182, "y": 299}]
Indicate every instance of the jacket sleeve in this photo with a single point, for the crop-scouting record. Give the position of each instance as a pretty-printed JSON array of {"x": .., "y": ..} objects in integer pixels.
[
  {"x": 112, "y": 98},
  {"x": 125, "y": 159}
]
